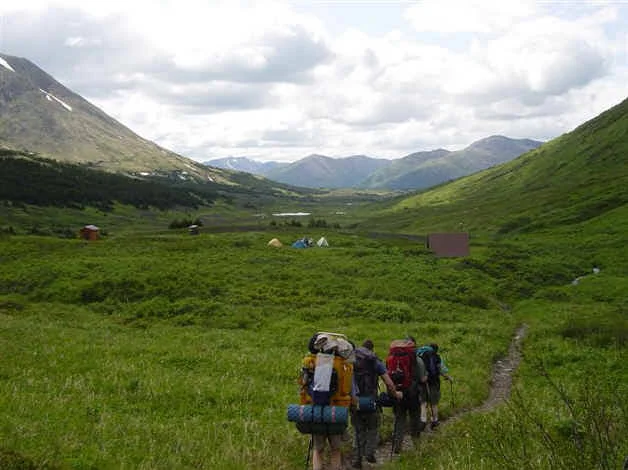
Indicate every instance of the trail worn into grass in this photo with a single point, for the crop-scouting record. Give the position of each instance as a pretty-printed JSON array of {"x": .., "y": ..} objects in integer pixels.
[{"x": 501, "y": 385}]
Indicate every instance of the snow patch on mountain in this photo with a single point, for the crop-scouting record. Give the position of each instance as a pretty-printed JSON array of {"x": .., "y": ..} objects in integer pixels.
[
  {"x": 50, "y": 97},
  {"x": 6, "y": 65}
]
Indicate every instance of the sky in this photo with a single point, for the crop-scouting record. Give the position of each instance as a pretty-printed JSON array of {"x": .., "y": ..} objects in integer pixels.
[{"x": 280, "y": 80}]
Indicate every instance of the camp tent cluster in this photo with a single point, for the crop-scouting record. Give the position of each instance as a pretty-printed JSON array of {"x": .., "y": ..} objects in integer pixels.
[{"x": 301, "y": 243}]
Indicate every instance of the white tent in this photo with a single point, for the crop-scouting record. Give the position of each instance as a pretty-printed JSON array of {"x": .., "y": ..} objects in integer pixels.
[{"x": 322, "y": 242}]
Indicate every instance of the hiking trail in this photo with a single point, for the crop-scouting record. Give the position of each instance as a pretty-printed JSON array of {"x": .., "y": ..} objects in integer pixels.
[{"x": 501, "y": 385}]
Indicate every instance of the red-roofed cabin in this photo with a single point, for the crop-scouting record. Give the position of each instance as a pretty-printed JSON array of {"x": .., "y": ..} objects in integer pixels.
[
  {"x": 449, "y": 244},
  {"x": 89, "y": 232}
]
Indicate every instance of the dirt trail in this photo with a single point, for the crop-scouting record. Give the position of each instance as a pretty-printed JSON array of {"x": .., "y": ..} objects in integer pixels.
[{"x": 501, "y": 385}]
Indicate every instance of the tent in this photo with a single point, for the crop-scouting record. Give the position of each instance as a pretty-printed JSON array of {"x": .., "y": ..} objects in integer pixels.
[
  {"x": 299, "y": 244},
  {"x": 322, "y": 242},
  {"x": 275, "y": 242}
]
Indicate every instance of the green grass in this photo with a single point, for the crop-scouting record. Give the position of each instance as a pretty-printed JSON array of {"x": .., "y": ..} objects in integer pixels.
[
  {"x": 182, "y": 352},
  {"x": 162, "y": 350}
]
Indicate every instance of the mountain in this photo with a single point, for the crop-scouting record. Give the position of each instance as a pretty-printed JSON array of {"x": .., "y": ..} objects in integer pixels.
[
  {"x": 319, "y": 171},
  {"x": 415, "y": 171},
  {"x": 245, "y": 164},
  {"x": 393, "y": 175},
  {"x": 425, "y": 169},
  {"x": 579, "y": 177},
  {"x": 39, "y": 114}
]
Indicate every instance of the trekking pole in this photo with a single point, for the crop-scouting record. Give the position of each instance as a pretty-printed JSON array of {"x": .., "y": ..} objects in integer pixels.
[
  {"x": 394, "y": 436},
  {"x": 428, "y": 405},
  {"x": 309, "y": 451},
  {"x": 451, "y": 386}
]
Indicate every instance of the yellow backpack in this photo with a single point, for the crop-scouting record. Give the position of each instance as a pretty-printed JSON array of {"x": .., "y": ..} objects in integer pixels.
[{"x": 339, "y": 393}]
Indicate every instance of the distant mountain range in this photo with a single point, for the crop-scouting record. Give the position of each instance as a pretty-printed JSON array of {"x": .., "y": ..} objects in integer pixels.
[{"x": 415, "y": 171}]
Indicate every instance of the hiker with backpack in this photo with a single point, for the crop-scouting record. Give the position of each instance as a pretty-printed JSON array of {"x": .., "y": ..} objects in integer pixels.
[
  {"x": 368, "y": 369},
  {"x": 407, "y": 371},
  {"x": 430, "y": 390},
  {"x": 326, "y": 395}
]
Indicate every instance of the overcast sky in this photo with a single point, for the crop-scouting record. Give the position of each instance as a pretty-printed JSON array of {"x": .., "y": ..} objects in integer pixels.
[{"x": 279, "y": 80}]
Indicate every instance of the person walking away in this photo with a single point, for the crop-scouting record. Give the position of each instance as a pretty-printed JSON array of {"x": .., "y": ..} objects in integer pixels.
[
  {"x": 435, "y": 367},
  {"x": 406, "y": 372},
  {"x": 368, "y": 369},
  {"x": 327, "y": 380}
]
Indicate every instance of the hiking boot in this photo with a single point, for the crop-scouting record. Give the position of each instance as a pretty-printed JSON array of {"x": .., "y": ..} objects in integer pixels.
[
  {"x": 422, "y": 425},
  {"x": 435, "y": 424},
  {"x": 371, "y": 459},
  {"x": 356, "y": 463}
]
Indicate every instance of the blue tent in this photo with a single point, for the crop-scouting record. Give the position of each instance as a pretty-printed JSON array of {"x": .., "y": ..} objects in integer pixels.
[{"x": 299, "y": 244}]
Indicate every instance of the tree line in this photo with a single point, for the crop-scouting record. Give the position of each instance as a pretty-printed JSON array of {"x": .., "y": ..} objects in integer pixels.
[{"x": 44, "y": 182}]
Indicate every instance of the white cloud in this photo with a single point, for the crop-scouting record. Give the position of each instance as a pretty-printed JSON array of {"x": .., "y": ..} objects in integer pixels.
[{"x": 469, "y": 16}]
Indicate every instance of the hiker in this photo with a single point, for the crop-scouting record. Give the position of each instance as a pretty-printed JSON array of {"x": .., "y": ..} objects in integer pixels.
[
  {"x": 327, "y": 381},
  {"x": 430, "y": 391},
  {"x": 368, "y": 368},
  {"x": 406, "y": 371}
]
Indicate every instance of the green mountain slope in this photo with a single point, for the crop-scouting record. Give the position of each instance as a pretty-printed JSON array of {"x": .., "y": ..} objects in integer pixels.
[
  {"x": 425, "y": 169},
  {"x": 394, "y": 175},
  {"x": 576, "y": 177},
  {"x": 41, "y": 182},
  {"x": 319, "y": 171}
]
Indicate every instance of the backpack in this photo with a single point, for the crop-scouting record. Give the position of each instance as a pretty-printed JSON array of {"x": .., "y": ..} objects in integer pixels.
[
  {"x": 401, "y": 363},
  {"x": 432, "y": 362},
  {"x": 331, "y": 384},
  {"x": 365, "y": 373}
]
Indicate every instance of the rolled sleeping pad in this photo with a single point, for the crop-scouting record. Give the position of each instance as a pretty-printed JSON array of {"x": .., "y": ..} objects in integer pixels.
[
  {"x": 367, "y": 404},
  {"x": 318, "y": 414}
]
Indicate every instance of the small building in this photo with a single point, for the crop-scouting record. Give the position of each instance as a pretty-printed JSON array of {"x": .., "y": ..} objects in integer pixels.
[
  {"x": 89, "y": 232},
  {"x": 449, "y": 244}
]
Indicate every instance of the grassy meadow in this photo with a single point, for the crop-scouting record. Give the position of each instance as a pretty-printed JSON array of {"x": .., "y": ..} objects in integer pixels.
[{"x": 165, "y": 350}]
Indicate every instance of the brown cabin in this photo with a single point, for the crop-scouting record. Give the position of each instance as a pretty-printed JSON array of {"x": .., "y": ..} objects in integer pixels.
[
  {"x": 449, "y": 244},
  {"x": 89, "y": 232}
]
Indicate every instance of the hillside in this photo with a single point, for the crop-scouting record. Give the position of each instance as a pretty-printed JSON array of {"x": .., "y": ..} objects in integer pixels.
[
  {"x": 319, "y": 171},
  {"x": 578, "y": 176},
  {"x": 26, "y": 179},
  {"x": 39, "y": 114},
  {"x": 425, "y": 169}
]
